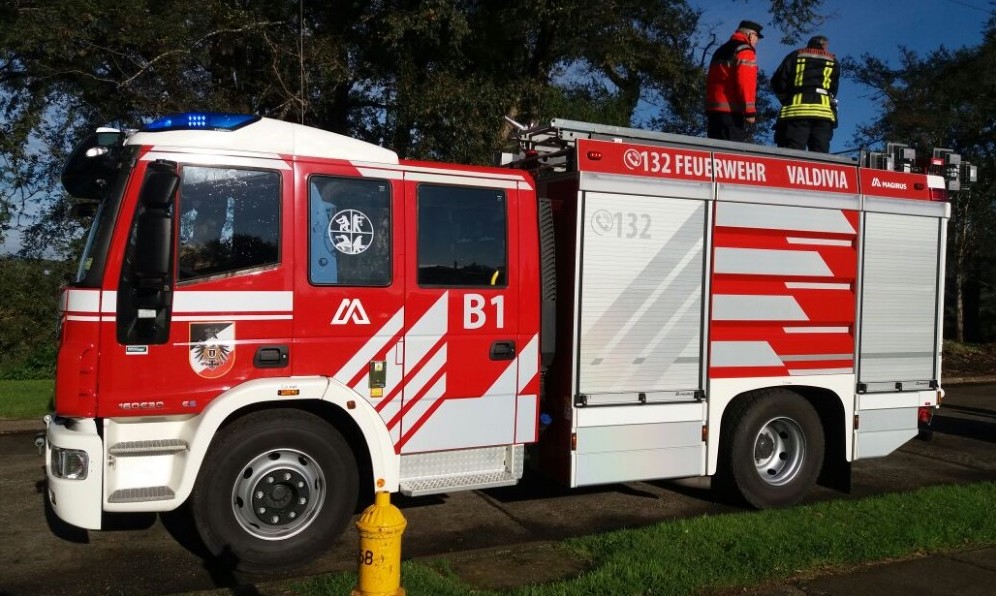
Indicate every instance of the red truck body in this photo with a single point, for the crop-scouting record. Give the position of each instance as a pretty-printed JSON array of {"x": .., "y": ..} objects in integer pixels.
[{"x": 260, "y": 300}]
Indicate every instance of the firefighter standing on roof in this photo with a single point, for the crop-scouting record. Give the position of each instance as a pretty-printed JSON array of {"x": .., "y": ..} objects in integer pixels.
[
  {"x": 806, "y": 84},
  {"x": 731, "y": 85}
]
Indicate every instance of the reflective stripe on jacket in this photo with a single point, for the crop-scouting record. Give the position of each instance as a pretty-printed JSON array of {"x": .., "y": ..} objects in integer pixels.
[
  {"x": 806, "y": 83},
  {"x": 731, "y": 85}
]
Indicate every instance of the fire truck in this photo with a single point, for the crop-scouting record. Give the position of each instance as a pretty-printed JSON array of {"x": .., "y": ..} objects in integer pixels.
[{"x": 272, "y": 322}]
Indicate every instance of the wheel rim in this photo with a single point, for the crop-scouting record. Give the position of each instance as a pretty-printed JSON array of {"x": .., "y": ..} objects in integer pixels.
[
  {"x": 278, "y": 494},
  {"x": 779, "y": 450}
]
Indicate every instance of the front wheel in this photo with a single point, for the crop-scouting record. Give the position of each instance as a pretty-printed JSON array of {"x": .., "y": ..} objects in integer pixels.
[
  {"x": 276, "y": 489},
  {"x": 772, "y": 448}
]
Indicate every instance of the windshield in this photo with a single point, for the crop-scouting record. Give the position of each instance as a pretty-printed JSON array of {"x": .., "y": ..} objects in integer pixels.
[{"x": 91, "y": 267}]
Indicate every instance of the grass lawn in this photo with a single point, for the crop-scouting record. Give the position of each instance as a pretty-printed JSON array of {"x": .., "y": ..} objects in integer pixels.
[
  {"x": 723, "y": 553},
  {"x": 24, "y": 400}
]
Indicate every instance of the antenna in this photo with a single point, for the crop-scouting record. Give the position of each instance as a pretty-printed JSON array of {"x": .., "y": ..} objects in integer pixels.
[{"x": 517, "y": 125}]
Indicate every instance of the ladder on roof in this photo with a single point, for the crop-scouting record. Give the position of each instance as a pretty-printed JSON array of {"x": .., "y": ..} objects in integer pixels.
[
  {"x": 549, "y": 146},
  {"x": 561, "y": 133}
]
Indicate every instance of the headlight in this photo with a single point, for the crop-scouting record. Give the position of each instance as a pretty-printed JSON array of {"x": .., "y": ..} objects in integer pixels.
[{"x": 70, "y": 464}]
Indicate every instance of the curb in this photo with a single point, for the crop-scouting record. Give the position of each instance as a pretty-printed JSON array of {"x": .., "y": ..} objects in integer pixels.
[{"x": 11, "y": 427}]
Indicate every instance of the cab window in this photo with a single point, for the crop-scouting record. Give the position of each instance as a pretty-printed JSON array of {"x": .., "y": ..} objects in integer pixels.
[
  {"x": 350, "y": 231},
  {"x": 462, "y": 235},
  {"x": 229, "y": 221}
]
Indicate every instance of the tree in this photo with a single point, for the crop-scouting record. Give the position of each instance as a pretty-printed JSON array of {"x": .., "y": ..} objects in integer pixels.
[
  {"x": 428, "y": 78},
  {"x": 944, "y": 99},
  {"x": 431, "y": 79},
  {"x": 29, "y": 316}
]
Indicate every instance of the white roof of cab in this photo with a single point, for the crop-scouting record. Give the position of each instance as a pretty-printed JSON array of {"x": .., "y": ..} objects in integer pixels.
[{"x": 270, "y": 137}]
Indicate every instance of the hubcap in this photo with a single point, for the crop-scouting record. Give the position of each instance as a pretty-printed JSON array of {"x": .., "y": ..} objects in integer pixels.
[
  {"x": 278, "y": 494},
  {"x": 779, "y": 450}
]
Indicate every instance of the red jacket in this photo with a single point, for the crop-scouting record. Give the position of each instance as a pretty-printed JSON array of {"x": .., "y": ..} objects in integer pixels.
[{"x": 732, "y": 82}]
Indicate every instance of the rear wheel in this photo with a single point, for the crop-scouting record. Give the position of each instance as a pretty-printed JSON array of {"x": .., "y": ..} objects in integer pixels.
[
  {"x": 276, "y": 489},
  {"x": 772, "y": 449}
]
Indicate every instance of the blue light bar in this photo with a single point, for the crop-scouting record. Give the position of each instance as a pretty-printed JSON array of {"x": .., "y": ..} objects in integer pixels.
[{"x": 200, "y": 121}]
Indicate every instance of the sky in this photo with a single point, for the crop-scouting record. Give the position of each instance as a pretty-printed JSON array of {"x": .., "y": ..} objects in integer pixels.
[
  {"x": 857, "y": 27},
  {"x": 854, "y": 27}
]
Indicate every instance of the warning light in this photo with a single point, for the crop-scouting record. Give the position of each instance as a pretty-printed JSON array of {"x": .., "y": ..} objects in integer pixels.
[{"x": 200, "y": 121}]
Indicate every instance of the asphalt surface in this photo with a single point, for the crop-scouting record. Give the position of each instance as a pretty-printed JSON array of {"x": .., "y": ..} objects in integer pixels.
[{"x": 487, "y": 536}]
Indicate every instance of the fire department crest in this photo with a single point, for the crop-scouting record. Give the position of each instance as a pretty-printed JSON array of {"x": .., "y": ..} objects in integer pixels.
[
  {"x": 212, "y": 348},
  {"x": 351, "y": 231}
]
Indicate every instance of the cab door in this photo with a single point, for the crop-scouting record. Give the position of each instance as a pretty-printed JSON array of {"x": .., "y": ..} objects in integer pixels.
[
  {"x": 350, "y": 290},
  {"x": 228, "y": 313},
  {"x": 461, "y": 345}
]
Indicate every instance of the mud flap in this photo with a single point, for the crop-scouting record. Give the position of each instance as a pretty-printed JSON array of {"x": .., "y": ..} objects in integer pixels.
[{"x": 836, "y": 472}]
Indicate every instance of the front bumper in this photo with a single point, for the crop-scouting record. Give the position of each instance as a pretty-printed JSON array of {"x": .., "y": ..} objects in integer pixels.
[{"x": 77, "y": 502}]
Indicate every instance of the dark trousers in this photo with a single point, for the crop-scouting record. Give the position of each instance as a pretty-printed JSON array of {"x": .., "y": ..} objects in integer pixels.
[
  {"x": 727, "y": 126},
  {"x": 804, "y": 133}
]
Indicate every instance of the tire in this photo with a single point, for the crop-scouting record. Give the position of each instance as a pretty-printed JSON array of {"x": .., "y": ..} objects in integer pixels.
[
  {"x": 772, "y": 449},
  {"x": 275, "y": 490}
]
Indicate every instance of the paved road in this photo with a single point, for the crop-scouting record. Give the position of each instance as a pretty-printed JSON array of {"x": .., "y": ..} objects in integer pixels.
[{"x": 142, "y": 555}]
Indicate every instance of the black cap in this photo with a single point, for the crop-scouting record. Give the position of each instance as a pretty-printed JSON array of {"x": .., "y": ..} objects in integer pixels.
[
  {"x": 818, "y": 42},
  {"x": 752, "y": 26}
]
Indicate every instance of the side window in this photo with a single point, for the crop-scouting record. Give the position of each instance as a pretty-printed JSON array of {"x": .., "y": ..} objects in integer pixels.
[
  {"x": 229, "y": 221},
  {"x": 461, "y": 236},
  {"x": 350, "y": 237}
]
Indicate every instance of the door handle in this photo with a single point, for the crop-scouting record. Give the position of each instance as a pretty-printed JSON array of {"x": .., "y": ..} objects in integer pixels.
[
  {"x": 502, "y": 350},
  {"x": 271, "y": 357}
]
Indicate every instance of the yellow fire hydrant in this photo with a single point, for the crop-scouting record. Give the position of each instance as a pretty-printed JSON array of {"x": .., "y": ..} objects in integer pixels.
[{"x": 380, "y": 526}]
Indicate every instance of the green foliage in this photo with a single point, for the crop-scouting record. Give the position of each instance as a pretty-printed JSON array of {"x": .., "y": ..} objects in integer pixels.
[
  {"x": 29, "y": 316},
  {"x": 430, "y": 79}
]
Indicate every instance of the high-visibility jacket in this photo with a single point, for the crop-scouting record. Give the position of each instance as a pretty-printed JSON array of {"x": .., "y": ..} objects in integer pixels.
[
  {"x": 806, "y": 83},
  {"x": 731, "y": 85}
]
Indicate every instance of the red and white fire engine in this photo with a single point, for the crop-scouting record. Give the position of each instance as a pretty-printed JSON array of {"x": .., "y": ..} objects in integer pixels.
[{"x": 271, "y": 322}]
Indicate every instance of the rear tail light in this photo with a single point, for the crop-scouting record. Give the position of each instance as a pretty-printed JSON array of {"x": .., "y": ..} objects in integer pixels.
[{"x": 938, "y": 194}]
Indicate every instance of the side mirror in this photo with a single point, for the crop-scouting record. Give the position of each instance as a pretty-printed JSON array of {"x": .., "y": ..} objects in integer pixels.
[
  {"x": 145, "y": 293},
  {"x": 154, "y": 228},
  {"x": 152, "y": 246},
  {"x": 159, "y": 186}
]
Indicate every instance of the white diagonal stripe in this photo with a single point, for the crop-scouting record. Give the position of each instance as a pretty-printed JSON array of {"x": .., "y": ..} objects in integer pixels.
[
  {"x": 526, "y": 363},
  {"x": 816, "y": 329},
  {"x": 778, "y": 217},
  {"x": 765, "y": 261},
  {"x": 374, "y": 345},
  {"x": 813, "y": 285},
  {"x": 736, "y": 307},
  {"x": 422, "y": 406},
  {"x": 433, "y": 366},
  {"x": 819, "y": 241},
  {"x": 744, "y": 353},
  {"x": 427, "y": 331}
]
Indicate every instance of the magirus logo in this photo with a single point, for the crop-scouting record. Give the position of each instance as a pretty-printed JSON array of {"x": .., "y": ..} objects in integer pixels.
[{"x": 887, "y": 184}]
